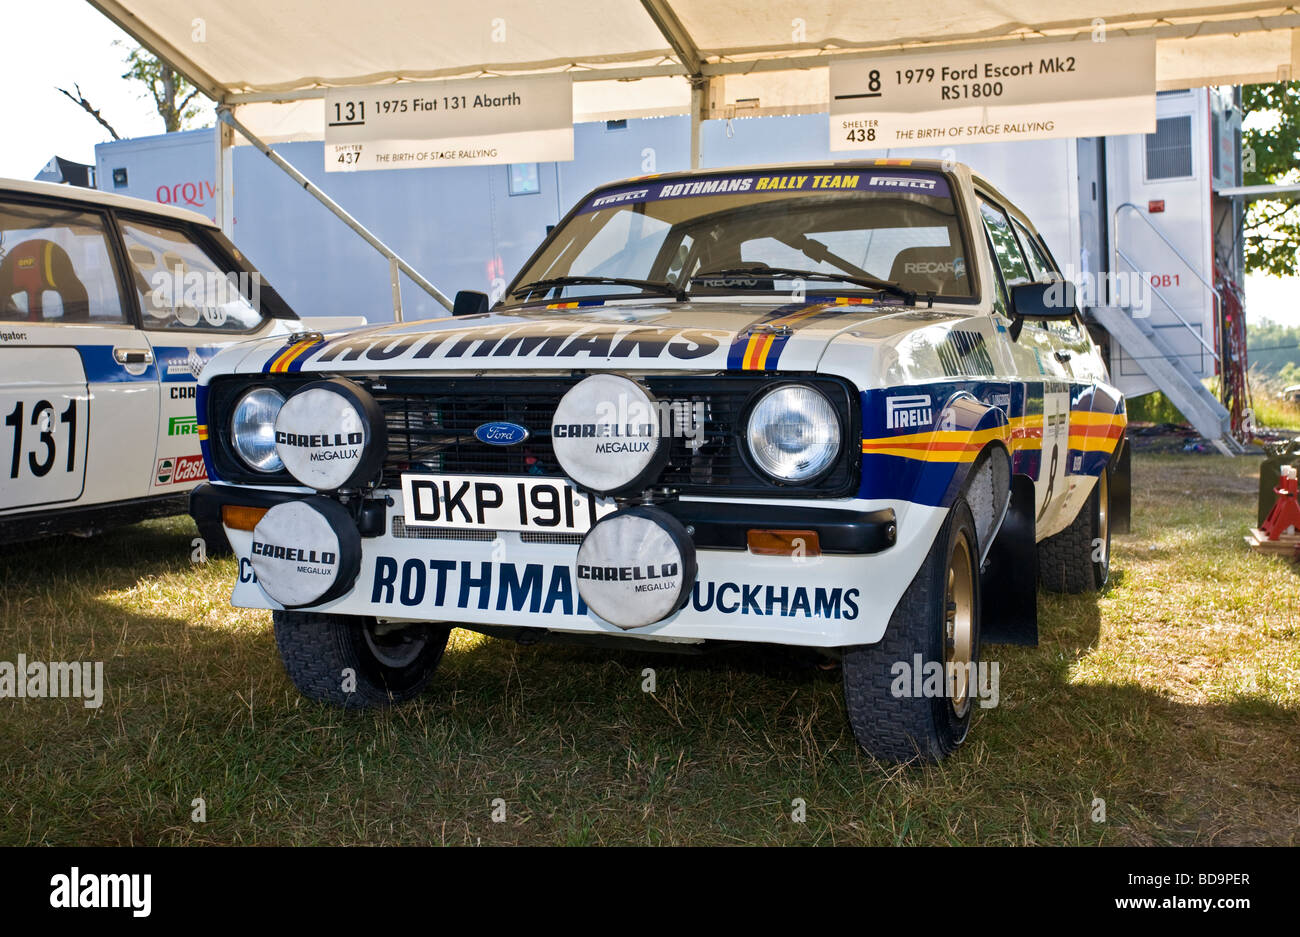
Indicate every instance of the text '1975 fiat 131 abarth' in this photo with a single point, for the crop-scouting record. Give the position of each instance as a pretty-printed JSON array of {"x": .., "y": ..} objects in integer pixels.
[{"x": 849, "y": 407}]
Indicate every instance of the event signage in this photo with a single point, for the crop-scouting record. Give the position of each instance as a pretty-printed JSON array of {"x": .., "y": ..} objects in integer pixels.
[
  {"x": 1029, "y": 91},
  {"x": 457, "y": 122}
]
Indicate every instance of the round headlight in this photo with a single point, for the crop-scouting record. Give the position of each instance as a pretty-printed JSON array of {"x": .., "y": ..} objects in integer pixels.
[
  {"x": 793, "y": 433},
  {"x": 252, "y": 429}
]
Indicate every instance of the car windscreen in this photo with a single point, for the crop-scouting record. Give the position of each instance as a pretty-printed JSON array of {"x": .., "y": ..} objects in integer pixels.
[{"x": 899, "y": 227}]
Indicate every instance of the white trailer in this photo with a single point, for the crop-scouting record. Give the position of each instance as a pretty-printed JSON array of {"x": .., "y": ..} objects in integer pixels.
[{"x": 1138, "y": 223}]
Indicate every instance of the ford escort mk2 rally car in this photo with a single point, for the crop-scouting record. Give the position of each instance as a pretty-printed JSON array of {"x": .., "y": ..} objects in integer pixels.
[
  {"x": 109, "y": 308},
  {"x": 848, "y": 406}
]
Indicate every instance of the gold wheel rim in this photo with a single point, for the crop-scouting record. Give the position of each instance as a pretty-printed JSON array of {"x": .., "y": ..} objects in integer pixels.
[{"x": 958, "y": 626}]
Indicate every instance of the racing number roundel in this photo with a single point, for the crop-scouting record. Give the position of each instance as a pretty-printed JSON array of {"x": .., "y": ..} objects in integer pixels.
[
  {"x": 331, "y": 435},
  {"x": 606, "y": 435}
]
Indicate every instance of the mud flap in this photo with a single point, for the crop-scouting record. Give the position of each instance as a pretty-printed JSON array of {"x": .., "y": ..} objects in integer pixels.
[
  {"x": 1121, "y": 488},
  {"x": 1009, "y": 577}
]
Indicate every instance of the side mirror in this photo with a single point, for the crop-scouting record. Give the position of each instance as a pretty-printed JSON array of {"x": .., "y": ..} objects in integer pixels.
[
  {"x": 1042, "y": 302},
  {"x": 469, "y": 303}
]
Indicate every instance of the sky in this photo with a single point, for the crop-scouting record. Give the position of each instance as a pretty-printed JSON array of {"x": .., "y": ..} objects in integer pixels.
[{"x": 56, "y": 43}]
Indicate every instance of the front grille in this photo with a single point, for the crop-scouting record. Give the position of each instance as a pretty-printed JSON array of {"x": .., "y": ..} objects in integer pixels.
[
  {"x": 529, "y": 536},
  {"x": 431, "y": 423},
  {"x": 402, "y": 532},
  {"x": 431, "y": 428}
]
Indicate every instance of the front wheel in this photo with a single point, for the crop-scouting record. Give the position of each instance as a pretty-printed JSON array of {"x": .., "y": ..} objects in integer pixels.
[
  {"x": 357, "y": 662},
  {"x": 898, "y": 714}
]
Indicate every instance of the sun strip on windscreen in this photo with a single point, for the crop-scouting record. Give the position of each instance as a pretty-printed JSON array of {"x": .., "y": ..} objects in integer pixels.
[{"x": 757, "y": 184}]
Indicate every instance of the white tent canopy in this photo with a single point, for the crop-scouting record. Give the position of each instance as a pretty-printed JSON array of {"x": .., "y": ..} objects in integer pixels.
[
  {"x": 632, "y": 58},
  {"x": 268, "y": 63}
]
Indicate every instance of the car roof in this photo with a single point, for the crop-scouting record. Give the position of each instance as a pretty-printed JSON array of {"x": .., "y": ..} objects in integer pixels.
[
  {"x": 73, "y": 193},
  {"x": 983, "y": 185}
]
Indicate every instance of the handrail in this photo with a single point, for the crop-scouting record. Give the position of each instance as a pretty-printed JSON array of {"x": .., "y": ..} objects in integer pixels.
[
  {"x": 1187, "y": 325},
  {"x": 1214, "y": 294},
  {"x": 1160, "y": 234}
]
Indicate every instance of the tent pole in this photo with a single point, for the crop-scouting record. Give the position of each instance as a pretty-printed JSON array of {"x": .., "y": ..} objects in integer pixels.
[
  {"x": 395, "y": 280},
  {"x": 396, "y": 263},
  {"x": 224, "y": 197},
  {"x": 697, "y": 108},
  {"x": 688, "y": 54}
]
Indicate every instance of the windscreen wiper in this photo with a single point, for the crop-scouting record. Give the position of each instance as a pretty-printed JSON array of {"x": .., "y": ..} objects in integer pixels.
[
  {"x": 759, "y": 270},
  {"x": 655, "y": 286}
]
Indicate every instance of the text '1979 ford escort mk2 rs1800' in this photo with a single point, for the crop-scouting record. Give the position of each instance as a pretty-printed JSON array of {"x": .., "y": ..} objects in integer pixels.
[{"x": 849, "y": 407}]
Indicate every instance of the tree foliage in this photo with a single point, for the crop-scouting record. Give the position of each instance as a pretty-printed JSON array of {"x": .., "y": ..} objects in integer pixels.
[
  {"x": 173, "y": 96},
  {"x": 1273, "y": 347},
  {"x": 176, "y": 100},
  {"x": 1272, "y": 227}
]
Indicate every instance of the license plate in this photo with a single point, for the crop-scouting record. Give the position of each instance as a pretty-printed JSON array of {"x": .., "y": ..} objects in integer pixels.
[{"x": 494, "y": 503}]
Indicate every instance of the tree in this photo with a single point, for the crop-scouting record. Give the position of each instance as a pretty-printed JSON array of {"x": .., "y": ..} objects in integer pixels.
[
  {"x": 173, "y": 95},
  {"x": 1272, "y": 345},
  {"x": 80, "y": 99},
  {"x": 1272, "y": 227}
]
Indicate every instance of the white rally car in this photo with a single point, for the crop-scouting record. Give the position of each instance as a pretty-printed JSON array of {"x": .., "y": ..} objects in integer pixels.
[
  {"x": 847, "y": 406},
  {"x": 109, "y": 308}
]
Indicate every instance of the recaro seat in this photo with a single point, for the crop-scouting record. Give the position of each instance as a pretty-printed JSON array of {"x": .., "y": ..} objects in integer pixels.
[
  {"x": 34, "y": 267},
  {"x": 929, "y": 270}
]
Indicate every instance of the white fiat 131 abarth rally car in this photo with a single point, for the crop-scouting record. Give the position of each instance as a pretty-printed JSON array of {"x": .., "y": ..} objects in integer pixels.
[
  {"x": 850, "y": 407},
  {"x": 109, "y": 308}
]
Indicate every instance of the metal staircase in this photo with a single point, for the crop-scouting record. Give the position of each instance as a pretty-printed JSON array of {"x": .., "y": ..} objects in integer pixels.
[
  {"x": 1166, "y": 368},
  {"x": 1161, "y": 362}
]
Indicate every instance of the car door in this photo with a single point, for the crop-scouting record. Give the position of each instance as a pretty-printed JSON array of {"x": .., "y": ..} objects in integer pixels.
[
  {"x": 193, "y": 303},
  {"x": 1084, "y": 362},
  {"x": 1069, "y": 337},
  {"x": 1042, "y": 443},
  {"x": 78, "y": 386}
]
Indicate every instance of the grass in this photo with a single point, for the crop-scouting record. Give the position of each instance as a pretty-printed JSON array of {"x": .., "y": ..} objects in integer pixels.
[
  {"x": 1276, "y": 413},
  {"x": 1269, "y": 409},
  {"x": 1175, "y": 697}
]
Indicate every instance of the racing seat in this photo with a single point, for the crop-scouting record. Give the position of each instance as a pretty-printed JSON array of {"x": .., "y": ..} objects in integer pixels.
[
  {"x": 727, "y": 256},
  {"x": 34, "y": 267},
  {"x": 929, "y": 270}
]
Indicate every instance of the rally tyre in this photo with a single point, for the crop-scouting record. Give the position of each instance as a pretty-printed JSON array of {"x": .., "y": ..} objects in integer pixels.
[
  {"x": 1078, "y": 558},
  {"x": 938, "y": 619},
  {"x": 356, "y": 662}
]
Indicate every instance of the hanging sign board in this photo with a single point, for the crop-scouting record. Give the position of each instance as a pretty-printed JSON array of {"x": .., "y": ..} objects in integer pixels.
[
  {"x": 458, "y": 122},
  {"x": 1031, "y": 91}
]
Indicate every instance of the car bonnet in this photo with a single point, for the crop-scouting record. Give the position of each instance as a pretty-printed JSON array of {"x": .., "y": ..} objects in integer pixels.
[{"x": 640, "y": 336}]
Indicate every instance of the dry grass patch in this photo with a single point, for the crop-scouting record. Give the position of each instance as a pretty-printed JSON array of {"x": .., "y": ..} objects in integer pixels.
[{"x": 1175, "y": 696}]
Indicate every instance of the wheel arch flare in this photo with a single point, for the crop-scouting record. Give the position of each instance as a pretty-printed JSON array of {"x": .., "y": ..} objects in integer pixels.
[{"x": 930, "y": 444}]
